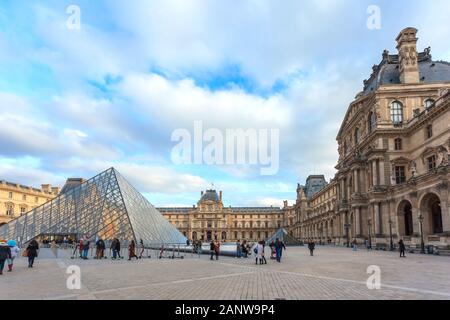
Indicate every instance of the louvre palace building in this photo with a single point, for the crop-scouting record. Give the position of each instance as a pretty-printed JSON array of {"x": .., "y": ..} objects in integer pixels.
[
  {"x": 393, "y": 171},
  {"x": 211, "y": 220}
]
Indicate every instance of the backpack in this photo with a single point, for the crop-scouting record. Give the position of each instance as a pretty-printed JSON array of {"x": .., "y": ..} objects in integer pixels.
[{"x": 255, "y": 250}]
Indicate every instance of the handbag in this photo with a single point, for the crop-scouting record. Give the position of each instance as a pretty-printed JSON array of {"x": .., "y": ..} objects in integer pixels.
[
  {"x": 255, "y": 251},
  {"x": 25, "y": 253}
]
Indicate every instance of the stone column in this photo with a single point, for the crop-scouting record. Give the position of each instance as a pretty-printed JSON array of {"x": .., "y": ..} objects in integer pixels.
[
  {"x": 356, "y": 180},
  {"x": 381, "y": 170},
  {"x": 357, "y": 221},
  {"x": 374, "y": 173},
  {"x": 377, "y": 221}
]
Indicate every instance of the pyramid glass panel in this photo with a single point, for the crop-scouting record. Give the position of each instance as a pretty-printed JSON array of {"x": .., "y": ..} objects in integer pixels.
[{"x": 106, "y": 206}]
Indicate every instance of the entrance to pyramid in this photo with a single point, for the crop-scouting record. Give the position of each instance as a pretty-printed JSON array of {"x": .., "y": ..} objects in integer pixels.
[{"x": 104, "y": 207}]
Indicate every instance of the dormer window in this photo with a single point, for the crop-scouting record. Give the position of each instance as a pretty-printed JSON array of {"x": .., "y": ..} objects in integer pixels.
[{"x": 396, "y": 113}]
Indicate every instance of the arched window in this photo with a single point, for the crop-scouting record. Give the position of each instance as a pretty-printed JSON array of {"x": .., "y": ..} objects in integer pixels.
[
  {"x": 372, "y": 121},
  {"x": 396, "y": 112},
  {"x": 428, "y": 103},
  {"x": 357, "y": 136},
  {"x": 398, "y": 144}
]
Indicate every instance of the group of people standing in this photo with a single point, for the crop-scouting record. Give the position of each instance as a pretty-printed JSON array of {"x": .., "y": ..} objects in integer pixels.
[
  {"x": 242, "y": 249},
  {"x": 214, "y": 246},
  {"x": 9, "y": 251}
]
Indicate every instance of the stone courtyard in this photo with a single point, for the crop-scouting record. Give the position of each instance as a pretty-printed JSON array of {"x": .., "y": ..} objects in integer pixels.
[{"x": 333, "y": 273}]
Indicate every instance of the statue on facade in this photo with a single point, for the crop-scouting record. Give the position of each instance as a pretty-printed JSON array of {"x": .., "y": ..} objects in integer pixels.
[
  {"x": 413, "y": 168},
  {"x": 443, "y": 152}
]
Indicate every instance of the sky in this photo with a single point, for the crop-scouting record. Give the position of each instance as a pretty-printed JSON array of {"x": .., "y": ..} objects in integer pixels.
[{"x": 77, "y": 101}]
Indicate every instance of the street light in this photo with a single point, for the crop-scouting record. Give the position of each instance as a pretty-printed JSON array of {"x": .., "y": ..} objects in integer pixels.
[
  {"x": 390, "y": 235},
  {"x": 422, "y": 243},
  {"x": 369, "y": 224}
]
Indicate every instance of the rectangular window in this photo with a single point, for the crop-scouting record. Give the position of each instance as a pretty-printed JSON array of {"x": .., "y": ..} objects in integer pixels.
[
  {"x": 10, "y": 195},
  {"x": 429, "y": 131},
  {"x": 400, "y": 174},
  {"x": 24, "y": 197},
  {"x": 36, "y": 199},
  {"x": 431, "y": 162}
]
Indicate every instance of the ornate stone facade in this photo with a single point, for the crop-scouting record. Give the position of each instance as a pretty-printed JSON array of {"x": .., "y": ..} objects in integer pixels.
[
  {"x": 393, "y": 169},
  {"x": 16, "y": 199},
  {"x": 211, "y": 220}
]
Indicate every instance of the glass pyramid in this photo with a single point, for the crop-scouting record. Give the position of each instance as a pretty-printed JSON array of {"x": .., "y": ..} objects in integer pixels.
[
  {"x": 284, "y": 236},
  {"x": 105, "y": 206}
]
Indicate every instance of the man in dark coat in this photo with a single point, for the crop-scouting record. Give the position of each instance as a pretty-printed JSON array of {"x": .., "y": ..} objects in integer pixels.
[
  {"x": 402, "y": 248},
  {"x": 311, "y": 247},
  {"x": 279, "y": 246},
  {"x": 32, "y": 252},
  {"x": 212, "y": 247},
  {"x": 5, "y": 253}
]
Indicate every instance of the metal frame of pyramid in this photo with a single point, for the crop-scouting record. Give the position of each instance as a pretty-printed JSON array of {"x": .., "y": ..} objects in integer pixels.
[
  {"x": 106, "y": 206},
  {"x": 284, "y": 236}
]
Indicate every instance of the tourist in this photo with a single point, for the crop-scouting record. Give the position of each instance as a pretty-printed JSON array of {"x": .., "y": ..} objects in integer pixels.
[
  {"x": 54, "y": 248},
  {"x": 199, "y": 248},
  {"x": 100, "y": 249},
  {"x": 355, "y": 245},
  {"x": 132, "y": 251},
  {"x": 244, "y": 248},
  {"x": 238, "y": 249},
  {"x": 259, "y": 252},
  {"x": 32, "y": 252},
  {"x": 279, "y": 246},
  {"x": 117, "y": 247},
  {"x": 402, "y": 248},
  {"x": 86, "y": 244},
  {"x": 212, "y": 247},
  {"x": 14, "y": 253},
  {"x": 272, "y": 250},
  {"x": 311, "y": 247},
  {"x": 141, "y": 243},
  {"x": 80, "y": 248},
  {"x": 263, "y": 243},
  {"x": 5, "y": 254},
  {"x": 217, "y": 249}
]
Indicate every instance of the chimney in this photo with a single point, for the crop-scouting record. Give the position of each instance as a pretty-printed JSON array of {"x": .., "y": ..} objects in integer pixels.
[
  {"x": 220, "y": 195},
  {"x": 285, "y": 203},
  {"x": 55, "y": 190},
  {"x": 408, "y": 56},
  {"x": 46, "y": 188}
]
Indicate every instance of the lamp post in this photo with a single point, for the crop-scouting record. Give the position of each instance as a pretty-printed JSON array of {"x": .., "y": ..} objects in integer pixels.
[
  {"x": 422, "y": 243},
  {"x": 369, "y": 224},
  {"x": 390, "y": 235}
]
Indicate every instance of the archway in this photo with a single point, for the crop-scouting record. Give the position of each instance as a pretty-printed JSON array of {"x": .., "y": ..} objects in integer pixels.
[
  {"x": 194, "y": 235},
  {"x": 208, "y": 236},
  {"x": 430, "y": 208},
  {"x": 405, "y": 219},
  {"x": 224, "y": 235},
  {"x": 2, "y": 224}
]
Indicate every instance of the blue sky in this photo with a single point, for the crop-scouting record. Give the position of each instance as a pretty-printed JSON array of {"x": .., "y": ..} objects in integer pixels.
[{"x": 76, "y": 102}]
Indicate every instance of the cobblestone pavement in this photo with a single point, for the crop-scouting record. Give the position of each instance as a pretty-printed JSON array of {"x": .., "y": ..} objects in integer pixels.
[{"x": 333, "y": 273}]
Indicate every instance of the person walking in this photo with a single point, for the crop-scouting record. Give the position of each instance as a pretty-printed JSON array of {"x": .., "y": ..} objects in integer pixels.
[
  {"x": 279, "y": 246},
  {"x": 259, "y": 252},
  {"x": 100, "y": 249},
  {"x": 14, "y": 253},
  {"x": 355, "y": 245},
  {"x": 263, "y": 243},
  {"x": 117, "y": 247},
  {"x": 402, "y": 248},
  {"x": 86, "y": 244},
  {"x": 212, "y": 247},
  {"x": 5, "y": 254},
  {"x": 199, "y": 248},
  {"x": 238, "y": 249},
  {"x": 32, "y": 252},
  {"x": 141, "y": 244},
  {"x": 80, "y": 247},
  {"x": 217, "y": 249},
  {"x": 132, "y": 251},
  {"x": 311, "y": 247}
]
